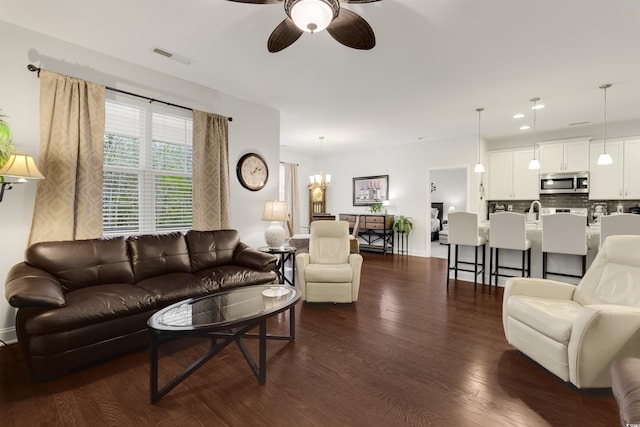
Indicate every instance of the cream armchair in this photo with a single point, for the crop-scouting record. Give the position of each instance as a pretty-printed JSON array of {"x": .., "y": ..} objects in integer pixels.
[
  {"x": 329, "y": 273},
  {"x": 577, "y": 332}
]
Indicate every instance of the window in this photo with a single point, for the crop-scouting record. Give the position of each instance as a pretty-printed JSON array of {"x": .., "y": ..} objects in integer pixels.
[{"x": 147, "y": 183}]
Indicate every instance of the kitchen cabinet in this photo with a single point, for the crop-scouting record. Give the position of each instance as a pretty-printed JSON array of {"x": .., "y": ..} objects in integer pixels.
[
  {"x": 566, "y": 156},
  {"x": 631, "y": 169},
  {"x": 606, "y": 182},
  {"x": 510, "y": 177}
]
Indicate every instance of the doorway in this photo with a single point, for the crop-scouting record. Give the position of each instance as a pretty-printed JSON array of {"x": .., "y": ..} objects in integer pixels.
[{"x": 448, "y": 192}]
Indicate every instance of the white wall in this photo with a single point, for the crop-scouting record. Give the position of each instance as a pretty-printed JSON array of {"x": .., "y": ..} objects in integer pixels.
[
  {"x": 451, "y": 188},
  {"x": 408, "y": 168},
  {"x": 254, "y": 128}
]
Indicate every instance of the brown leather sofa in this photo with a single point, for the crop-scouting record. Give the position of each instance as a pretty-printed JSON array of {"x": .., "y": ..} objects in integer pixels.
[
  {"x": 625, "y": 384},
  {"x": 87, "y": 300}
]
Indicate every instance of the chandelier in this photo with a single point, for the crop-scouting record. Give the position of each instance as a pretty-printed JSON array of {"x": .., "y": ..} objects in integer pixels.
[{"x": 320, "y": 179}]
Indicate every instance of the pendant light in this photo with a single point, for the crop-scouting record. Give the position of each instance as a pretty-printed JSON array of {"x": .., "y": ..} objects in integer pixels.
[
  {"x": 605, "y": 158},
  {"x": 534, "y": 164},
  {"x": 479, "y": 166}
]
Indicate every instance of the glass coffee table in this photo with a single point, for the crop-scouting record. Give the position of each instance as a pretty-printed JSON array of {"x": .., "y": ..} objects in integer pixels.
[{"x": 224, "y": 318}]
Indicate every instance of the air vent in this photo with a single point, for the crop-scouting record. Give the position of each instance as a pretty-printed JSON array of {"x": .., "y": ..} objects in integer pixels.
[
  {"x": 578, "y": 123},
  {"x": 167, "y": 54},
  {"x": 162, "y": 52}
]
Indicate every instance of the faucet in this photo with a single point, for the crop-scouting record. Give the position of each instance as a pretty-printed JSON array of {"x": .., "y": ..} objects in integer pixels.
[{"x": 539, "y": 208}]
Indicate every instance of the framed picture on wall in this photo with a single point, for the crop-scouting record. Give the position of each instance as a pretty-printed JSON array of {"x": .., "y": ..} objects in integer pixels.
[{"x": 370, "y": 189}]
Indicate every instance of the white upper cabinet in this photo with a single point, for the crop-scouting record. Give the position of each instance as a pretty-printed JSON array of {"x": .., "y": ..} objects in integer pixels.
[
  {"x": 564, "y": 156},
  {"x": 606, "y": 182},
  {"x": 510, "y": 177},
  {"x": 632, "y": 169}
]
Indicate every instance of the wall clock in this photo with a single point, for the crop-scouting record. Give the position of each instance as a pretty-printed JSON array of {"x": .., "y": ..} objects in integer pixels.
[{"x": 252, "y": 171}]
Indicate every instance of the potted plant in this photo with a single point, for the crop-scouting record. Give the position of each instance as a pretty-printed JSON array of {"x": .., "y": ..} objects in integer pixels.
[
  {"x": 6, "y": 145},
  {"x": 403, "y": 224},
  {"x": 375, "y": 207}
]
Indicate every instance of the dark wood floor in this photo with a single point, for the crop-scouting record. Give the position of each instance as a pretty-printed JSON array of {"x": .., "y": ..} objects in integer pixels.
[{"x": 408, "y": 353}]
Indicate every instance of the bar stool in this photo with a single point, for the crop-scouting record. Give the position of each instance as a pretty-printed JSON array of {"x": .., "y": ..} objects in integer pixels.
[
  {"x": 508, "y": 231},
  {"x": 618, "y": 224},
  {"x": 463, "y": 230},
  {"x": 564, "y": 233}
]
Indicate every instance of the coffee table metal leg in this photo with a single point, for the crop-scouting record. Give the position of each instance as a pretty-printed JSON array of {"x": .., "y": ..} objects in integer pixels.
[
  {"x": 153, "y": 367},
  {"x": 292, "y": 323}
]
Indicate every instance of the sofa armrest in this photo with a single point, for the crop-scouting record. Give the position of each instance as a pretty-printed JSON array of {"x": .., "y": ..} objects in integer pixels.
[
  {"x": 625, "y": 384},
  {"x": 355, "y": 260},
  {"x": 247, "y": 256},
  {"x": 27, "y": 286},
  {"x": 542, "y": 288},
  {"x": 602, "y": 334}
]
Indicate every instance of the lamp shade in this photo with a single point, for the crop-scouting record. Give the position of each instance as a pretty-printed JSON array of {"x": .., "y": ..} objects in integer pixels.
[
  {"x": 311, "y": 15},
  {"x": 605, "y": 159},
  {"x": 479, "y": 168},
  {"x": 21, "y": 166},
  {"x": 275, "y": 210}
]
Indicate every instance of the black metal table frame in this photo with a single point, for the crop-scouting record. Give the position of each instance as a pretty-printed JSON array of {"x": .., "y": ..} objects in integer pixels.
[
  {"x": 284, "y": 256},
  {"x": 236, "y": 331}
]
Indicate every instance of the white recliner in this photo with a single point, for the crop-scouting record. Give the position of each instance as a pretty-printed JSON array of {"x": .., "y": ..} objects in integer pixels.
[
  {"x": 577, "y": 332},
  {"x": 329, "y": 272}
]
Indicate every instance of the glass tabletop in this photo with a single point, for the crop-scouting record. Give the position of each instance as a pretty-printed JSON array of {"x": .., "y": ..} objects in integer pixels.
[{"x": 225, "y": 308}]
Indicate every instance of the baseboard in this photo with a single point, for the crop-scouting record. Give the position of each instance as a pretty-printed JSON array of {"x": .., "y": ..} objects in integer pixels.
[{"x": 8, "y": 335}]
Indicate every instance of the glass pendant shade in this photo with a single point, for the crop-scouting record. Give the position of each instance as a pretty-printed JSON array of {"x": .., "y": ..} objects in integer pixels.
[
  {"x": 311, "y": 15},
  {"x": 605, "y": 159},
  {"x": 479, "y": 168},
  {"x": 534, "y": 164}
]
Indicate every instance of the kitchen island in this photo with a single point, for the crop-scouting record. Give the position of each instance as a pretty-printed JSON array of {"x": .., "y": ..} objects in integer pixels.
[{"x": 570, "y": 264}]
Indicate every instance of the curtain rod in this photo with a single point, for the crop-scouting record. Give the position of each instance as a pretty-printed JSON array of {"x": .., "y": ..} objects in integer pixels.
[
  {"x": 288, "y": 162},
  {"x": 34, "y": 69}
]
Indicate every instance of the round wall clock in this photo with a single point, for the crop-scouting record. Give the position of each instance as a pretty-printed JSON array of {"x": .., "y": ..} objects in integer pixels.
[{"x": 252, "y": 171}]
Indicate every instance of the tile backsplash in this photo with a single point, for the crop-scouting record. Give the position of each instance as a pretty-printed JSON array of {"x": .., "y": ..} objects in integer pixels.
[{"x": 565, "y": 201}]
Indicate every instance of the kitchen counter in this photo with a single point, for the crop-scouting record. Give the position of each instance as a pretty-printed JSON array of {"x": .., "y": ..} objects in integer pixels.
[{"x": 570, "y": 264}]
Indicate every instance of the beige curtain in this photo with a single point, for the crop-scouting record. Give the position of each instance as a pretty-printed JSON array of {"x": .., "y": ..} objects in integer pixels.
[
  {"x": 291, "y": 194},
  {"x": 211, "y": 206},
  {"x": 68, "y": 202}
]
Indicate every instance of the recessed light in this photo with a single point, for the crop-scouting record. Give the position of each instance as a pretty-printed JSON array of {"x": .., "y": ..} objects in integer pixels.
[
  {"x": 518, "y": 116},
  {"x": 538, "y": 107},
  {"x": 525, "y": 127}
]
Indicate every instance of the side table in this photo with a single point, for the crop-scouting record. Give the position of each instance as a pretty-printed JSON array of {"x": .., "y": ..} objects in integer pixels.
[{"x": 285, "y": 253}]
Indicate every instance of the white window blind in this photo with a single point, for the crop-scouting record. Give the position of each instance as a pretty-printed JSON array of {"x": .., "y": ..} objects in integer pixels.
[{"x": 147, "y": 170}]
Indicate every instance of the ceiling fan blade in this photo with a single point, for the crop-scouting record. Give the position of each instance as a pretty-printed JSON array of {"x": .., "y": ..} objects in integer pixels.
[
  {"x": 283, "y": 36},
  {"x": 352, "y": 30},
  {"x": 258, "y": 1}
]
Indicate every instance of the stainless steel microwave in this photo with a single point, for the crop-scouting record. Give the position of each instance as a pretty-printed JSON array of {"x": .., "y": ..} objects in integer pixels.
[{"x": 564, "y": 183}]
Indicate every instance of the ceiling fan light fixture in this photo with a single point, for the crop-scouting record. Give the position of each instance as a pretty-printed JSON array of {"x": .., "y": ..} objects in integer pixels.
[{"x": 312, "y": 16}]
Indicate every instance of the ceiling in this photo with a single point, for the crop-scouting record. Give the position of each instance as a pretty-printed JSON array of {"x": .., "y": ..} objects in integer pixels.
[{"x": 435, "y": 62}]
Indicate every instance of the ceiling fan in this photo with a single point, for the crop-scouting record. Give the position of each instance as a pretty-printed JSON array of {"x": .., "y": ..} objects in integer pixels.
[{"x": 311, "y": 16}]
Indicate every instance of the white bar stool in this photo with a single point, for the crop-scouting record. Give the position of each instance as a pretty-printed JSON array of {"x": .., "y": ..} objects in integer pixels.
[
  {"x": 564, "y": 233},
  {"x": 507, "y": 230},
  {"x": 463, "y": 230},
  {"x": 618, "y": 224}
]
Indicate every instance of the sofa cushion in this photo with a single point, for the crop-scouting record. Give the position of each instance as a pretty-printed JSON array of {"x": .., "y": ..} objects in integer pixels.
[
  {"x": 173, "y": 287},
  {"x": 157, "y": 254},
  {"x": 329, "y": 273},
  {"x": 91, "y": 305},
  {"x": 81, "y": 263},
  {"x": 232, "y": 276},
  {"x": 211, "y": 248},
  {"x": 552, "y": 318}
]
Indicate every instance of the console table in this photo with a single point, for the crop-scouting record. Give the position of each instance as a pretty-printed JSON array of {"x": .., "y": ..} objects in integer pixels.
[{"x": 374, "y": 232}]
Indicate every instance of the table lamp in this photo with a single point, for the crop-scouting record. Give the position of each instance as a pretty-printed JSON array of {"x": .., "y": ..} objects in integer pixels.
[{"x": 275, "y": 211}]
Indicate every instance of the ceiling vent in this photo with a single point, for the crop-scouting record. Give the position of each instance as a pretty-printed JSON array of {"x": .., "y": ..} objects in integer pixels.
[{"x": 167, "y": 54}]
